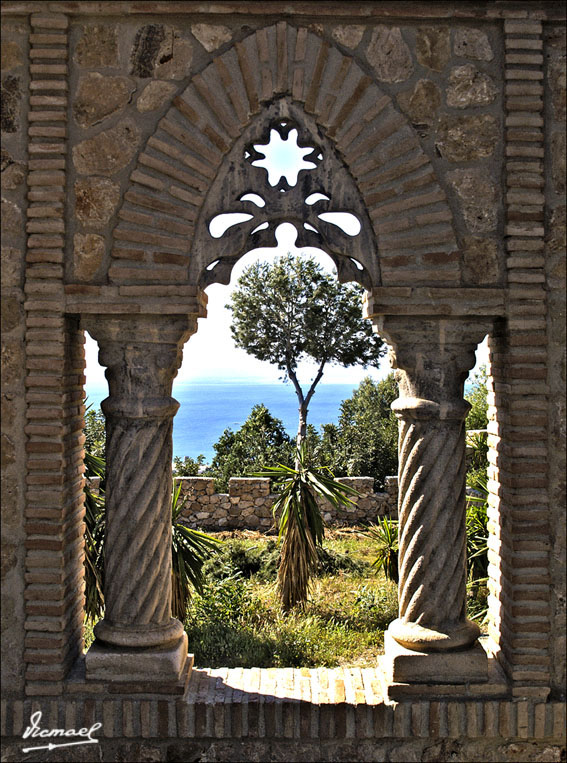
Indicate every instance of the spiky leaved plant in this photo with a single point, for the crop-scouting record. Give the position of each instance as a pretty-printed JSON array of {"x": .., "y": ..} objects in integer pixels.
[
  {"x": 300, "y": 522},
  {"x": 385, "y": 533},
  {"x": 189, "y": 551}
]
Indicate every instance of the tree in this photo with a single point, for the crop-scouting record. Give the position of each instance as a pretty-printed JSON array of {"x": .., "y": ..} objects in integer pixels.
[
  {"x": 477, "y": 396},
  {"x": 187, "y": 466},
  {"x": 95, "y": 432},
  {"x": 364, "y": 443},
  {"x": 260, "y": 440},
  {"x": 292, "y": 310}
]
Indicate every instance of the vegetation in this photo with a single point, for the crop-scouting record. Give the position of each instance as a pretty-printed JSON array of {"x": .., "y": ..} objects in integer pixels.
[
  {"x": 188, "y": 467},
  {"x": 262, "y": 439},
  {"x": 385, "y": 535},
  {"x": 364, "y": 443},
  {"x": 291, "y": 310},
  {"x": 477, "y": 442},
  {"x": 239, "y": 620},
  {"x": 300, "y": 523},
  {"x": 190, "y": 548}
]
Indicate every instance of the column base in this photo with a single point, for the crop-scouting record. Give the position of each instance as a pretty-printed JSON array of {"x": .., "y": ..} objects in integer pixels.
[
  {"x": 406, "y": 666},
  {"x": 134, "y": 665}
]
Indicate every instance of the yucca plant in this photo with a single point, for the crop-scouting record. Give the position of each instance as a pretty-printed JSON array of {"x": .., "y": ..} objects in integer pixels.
[
  {"x": 300, "y": 524},
  {"x": 385, "y": 533},
  {"x": 189, "y": 551}
]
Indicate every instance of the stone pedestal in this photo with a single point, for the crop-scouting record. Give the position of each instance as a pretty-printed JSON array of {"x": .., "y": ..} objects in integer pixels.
[
  {"x": 402, "y": 665},
  {"x": 432, "y": 641},
  {"x": 138, "y": 640}
]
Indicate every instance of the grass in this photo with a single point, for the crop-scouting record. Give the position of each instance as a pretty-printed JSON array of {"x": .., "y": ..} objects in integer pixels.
[{"x": 238, "y": 620}]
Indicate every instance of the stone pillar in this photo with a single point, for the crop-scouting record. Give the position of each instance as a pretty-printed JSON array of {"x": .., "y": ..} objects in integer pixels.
[
  {"x": 138, "y": 639},
  {"x": 432, "y": 641}
]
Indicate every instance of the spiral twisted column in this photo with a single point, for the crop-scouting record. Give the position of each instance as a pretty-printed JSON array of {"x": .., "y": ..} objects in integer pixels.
[
  {"x": 142, "y": 356},
  {"x": 433, "y": 357}
]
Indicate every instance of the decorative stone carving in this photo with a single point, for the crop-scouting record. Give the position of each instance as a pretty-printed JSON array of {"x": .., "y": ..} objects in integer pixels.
[
  {"x": 142, "y": 356},
  {"x": 308, "y": 200},
  {"x": 433, "y": 358}
]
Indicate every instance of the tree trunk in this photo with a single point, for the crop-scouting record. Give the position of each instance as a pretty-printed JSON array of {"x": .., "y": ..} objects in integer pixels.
[{"x": 302, "y": 427}]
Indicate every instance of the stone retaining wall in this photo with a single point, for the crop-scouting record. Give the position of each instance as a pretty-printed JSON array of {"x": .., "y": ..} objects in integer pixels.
[{"x": 248, "y": 503}]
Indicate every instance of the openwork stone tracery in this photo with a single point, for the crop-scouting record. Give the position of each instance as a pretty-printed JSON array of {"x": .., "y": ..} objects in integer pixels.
[{"x": 314, "y": 202}]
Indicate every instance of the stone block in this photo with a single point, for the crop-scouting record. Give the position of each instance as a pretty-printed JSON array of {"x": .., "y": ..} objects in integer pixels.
[
  {"x": 389, "y": 55},
  {"x": 166, "y": 665},
  {"x": 433, "y": 47},
  {"x": 109, "y": 151},
  {"x": 211, "y": 36},
  {"x": 98, "y": 97},
  {"x": 97, "y": 47},
  {"x": 472, "y": 43},
  {"x": 403, "y": 665}
]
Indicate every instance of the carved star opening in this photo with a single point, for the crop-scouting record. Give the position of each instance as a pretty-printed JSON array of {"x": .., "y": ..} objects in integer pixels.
[{"x": 283, "y": 157}]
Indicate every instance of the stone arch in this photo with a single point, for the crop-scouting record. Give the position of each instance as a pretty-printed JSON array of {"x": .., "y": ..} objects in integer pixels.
[{"x": 406, "y": 205}]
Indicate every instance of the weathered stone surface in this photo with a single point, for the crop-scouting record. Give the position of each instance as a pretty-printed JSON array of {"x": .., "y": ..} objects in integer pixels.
[
  {"x": 388, "y": 53},
  {"x": 432, "y": 47},
  {"x": 155, "y": 95},
  {"x": 556, "y": 79},
  {"x": 478, "y": 198},
  {"x": 406, "y": 666},
  {"x": 10, "y": 104},
  {"x": 211, "y": 36},
  {"x": 160, "y": 51},
  {"x": 7, "y": 450},
  {"x": 11, "y": 269},
  {"x": 472, "y": 43},
  {"x": 87, "y": 255},
  {"x": 96, "y": 200},
  {"x": 146, "y": 49},
  {"x": 11, "y": 312},
  {"x": 11, "y": 55},
  {"x": 99, "y": 97},
  {"x": 469, "y": 87},
  {"x": 11, "y": 217},
  {"x": 557, "y": 232},
  {"x": 12, "y": 361},
  {"x": 480, "y": 261},
  {"x": 558, "y": 161},
  {"x": 109, "y": 151},
  {"x": 97, "y": 47},
  {"x": 12, "y": 173},
  {"x": 464, "y": 138},
  {"x": 422, "y": 103},
  {"x": 348, "y": 35}
]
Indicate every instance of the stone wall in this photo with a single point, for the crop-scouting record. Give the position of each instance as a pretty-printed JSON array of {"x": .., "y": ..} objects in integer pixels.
[
  {"x": 248, "y": 503},
  {"x": 446, "y": 123}
]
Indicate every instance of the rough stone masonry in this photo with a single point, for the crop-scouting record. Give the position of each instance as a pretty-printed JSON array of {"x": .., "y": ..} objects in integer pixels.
[{"x": 126, "y": 126}]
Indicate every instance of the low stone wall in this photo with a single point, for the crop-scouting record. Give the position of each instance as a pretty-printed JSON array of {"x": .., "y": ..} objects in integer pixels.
[{"x": 248, "y": 503}]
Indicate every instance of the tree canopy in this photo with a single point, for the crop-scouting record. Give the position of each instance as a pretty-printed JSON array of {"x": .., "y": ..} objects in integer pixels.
[
  {"x": 364, "y": 442},
  {"x": 261, "y": 440},
  {"x": 292, "y": 310}
]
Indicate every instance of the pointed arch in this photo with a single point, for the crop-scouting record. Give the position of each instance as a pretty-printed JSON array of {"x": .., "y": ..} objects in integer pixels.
[{"x": 407, "y": 207}]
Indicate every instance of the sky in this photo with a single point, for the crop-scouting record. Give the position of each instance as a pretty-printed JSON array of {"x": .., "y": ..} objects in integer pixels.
[{"x": 210, "y": 353}]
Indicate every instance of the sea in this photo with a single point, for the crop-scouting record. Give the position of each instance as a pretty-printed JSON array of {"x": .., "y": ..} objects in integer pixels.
[{"x": 208, "y": 407}]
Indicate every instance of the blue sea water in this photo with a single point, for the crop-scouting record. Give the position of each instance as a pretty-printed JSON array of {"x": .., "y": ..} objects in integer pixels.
[{"x": 207, "y": 408}]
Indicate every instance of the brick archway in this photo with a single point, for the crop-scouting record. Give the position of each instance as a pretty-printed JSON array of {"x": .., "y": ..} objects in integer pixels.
[{"x": 154, "y": 239}]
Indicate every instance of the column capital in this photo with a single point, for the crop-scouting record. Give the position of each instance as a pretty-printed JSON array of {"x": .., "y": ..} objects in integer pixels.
[
  {"x": 433, "y": 357},
  {"x": 142, "y": 355}
]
